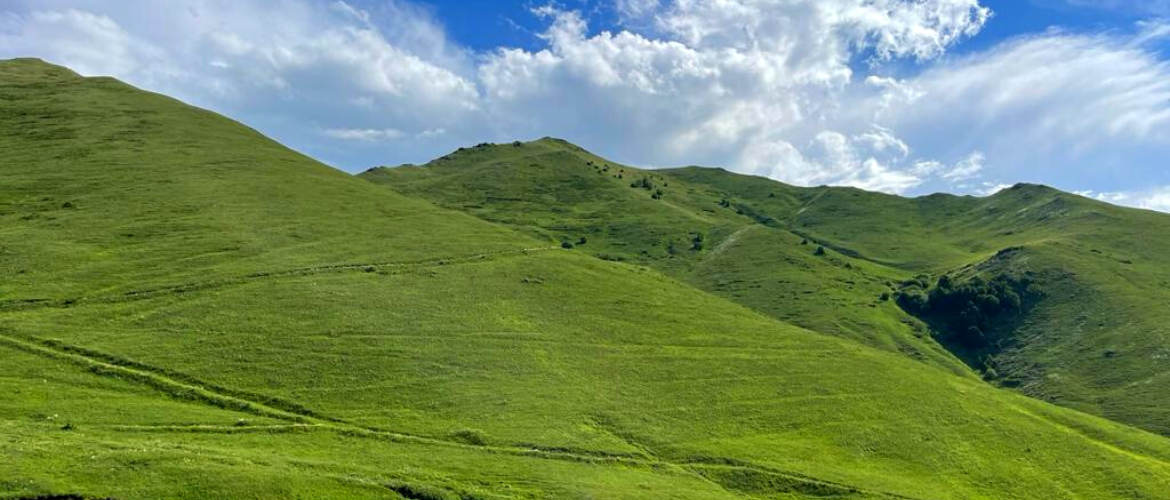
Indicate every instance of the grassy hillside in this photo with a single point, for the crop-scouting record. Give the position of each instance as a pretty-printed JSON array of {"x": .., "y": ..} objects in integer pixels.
[
  {"x": 392, "y": 349},
  {"x": 1097, "y": 341},
  {"x": 108, "y": 188},
  {"x": 697, "y": 233}
]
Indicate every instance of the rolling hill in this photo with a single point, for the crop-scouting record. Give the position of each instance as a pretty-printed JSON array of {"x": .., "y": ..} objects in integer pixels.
[
  {"x": 1096, "y": 340},
  {"x": 191, "y": 310}
]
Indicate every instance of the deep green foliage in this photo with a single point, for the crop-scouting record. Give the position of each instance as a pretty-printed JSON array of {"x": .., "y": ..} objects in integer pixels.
[{"x": 970, "y": 312}]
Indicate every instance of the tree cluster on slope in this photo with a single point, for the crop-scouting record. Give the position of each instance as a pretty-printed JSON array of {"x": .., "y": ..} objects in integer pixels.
[{"x": 970, "y": 310}]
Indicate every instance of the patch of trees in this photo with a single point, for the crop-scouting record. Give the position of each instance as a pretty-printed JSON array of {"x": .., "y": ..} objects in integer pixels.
[{"x": 971, "y": 311}]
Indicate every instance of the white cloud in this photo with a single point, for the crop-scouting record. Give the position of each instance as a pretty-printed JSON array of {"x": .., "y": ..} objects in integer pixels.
[
  {"x": 1151, "y": 199},
  {"x": 636, "y": 9},
  {"x": 731, "y": 83},
  {"x": 350, "y": 134},
  {"x": 1052, "y": 101},
  {"x": 968, "y": 168},
  {"x": 432, "y": 133}
]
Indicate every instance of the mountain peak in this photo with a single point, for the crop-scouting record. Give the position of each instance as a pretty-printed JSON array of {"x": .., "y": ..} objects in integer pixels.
[{"x": 34, "y": 68}]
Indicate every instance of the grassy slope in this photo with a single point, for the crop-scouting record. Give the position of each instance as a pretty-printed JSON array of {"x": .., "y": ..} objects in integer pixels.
[
  {"x": 538, "y": 374},
  {"x": 556, "y": 191},
  {"x": 105, "y": 187},
  {"x": 1097, "y": 343}
]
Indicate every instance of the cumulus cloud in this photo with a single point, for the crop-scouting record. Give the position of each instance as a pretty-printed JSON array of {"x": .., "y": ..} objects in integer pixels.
[
  {"x": 748, "y": 84},
  {"x": 1058, "y": 104}
]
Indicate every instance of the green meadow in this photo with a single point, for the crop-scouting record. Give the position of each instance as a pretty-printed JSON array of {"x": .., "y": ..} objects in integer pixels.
[
  {"x": 834, "y": 260},
  {"x": 191, "y": 310}
]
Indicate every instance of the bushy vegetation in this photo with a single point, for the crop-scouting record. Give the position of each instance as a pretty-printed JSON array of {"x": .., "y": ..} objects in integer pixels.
[{"x": 972, "y": 311}]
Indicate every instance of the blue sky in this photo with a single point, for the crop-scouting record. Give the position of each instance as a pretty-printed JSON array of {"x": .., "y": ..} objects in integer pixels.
[{"x": 902, "y": 96}]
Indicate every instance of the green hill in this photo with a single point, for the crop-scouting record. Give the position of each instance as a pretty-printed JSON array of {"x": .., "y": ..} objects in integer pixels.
[
  {"x": 696, "y": 232},
  {"x": 1096, "y": 341},
  {"x": 194, "y": 311}
]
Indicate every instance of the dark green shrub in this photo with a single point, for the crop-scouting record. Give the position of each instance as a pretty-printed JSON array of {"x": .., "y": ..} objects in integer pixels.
[
  {"x": 567, "y": 245},
  {"x": 469, "y": 436},
  {"x": 820, "y": 251},
  {"x": 970, "y": 311},
  {"x": 913, "y": 300},
  {"x": 421, "y": 492}
]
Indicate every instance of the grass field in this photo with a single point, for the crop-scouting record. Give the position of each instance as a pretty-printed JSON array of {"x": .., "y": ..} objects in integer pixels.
[
  {"x": 215, "y": 316},
  {"x": 1096, "y": 342}
]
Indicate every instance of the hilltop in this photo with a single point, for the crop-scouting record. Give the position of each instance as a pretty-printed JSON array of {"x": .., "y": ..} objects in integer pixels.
[
  {"x": 1093, "y": 336},
  {"x": 198, "y": 312}
]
